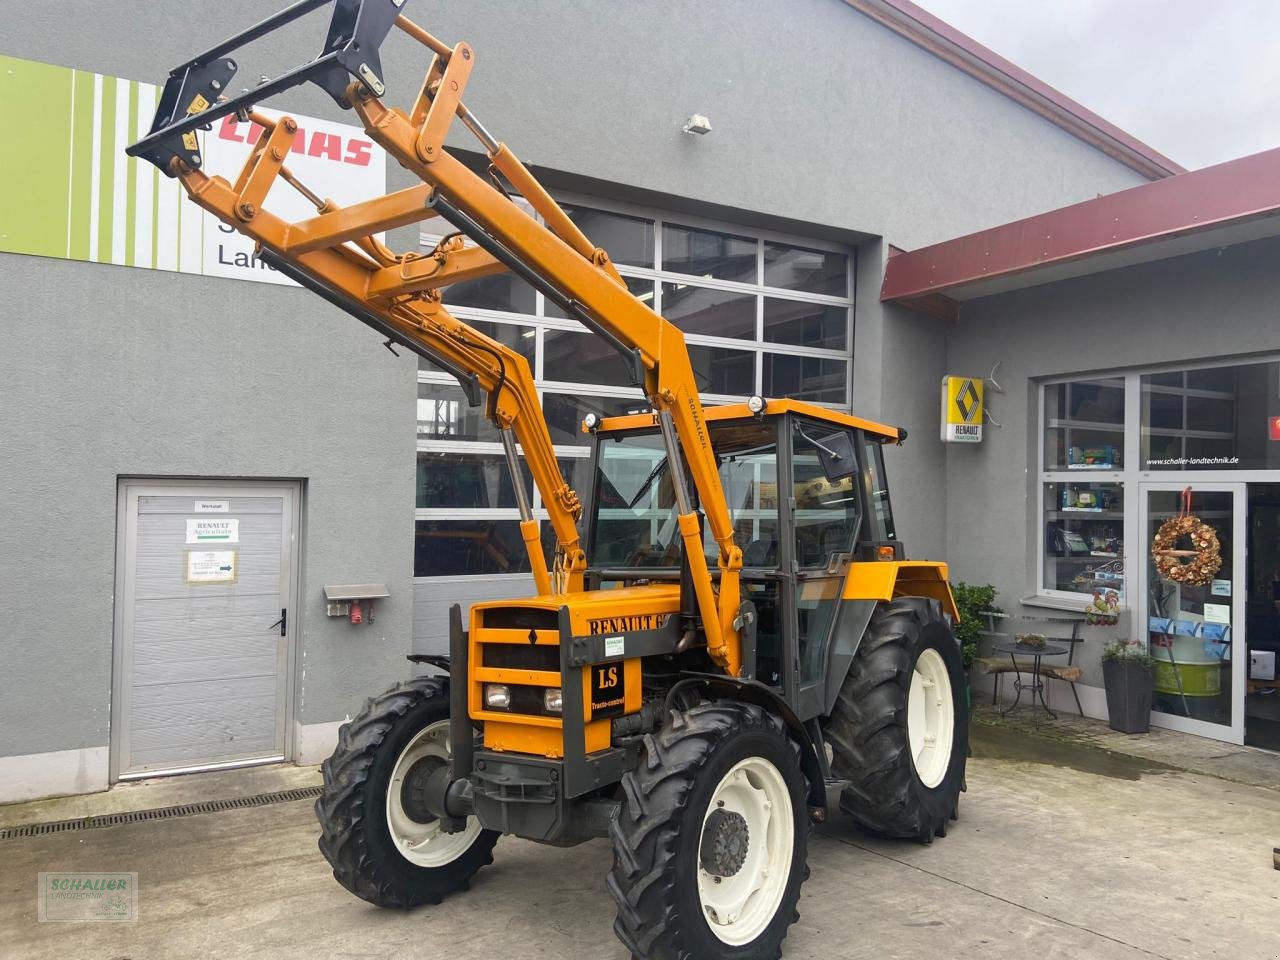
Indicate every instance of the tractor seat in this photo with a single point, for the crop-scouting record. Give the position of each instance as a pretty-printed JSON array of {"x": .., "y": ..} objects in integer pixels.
[{"x": 760, "y": 553}]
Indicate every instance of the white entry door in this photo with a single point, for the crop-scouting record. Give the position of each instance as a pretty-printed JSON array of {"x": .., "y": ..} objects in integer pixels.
[
  {"x": 1196, "y": 633},
  {"x": 203, "y": 643}
]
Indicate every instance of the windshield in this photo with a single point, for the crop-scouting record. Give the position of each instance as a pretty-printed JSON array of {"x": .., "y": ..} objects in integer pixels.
[{"x": 635, "y": 504}]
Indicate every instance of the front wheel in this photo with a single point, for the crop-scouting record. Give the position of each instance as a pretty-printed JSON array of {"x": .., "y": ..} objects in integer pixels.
[
  {"x": 383, "y": 844},
  {"x": 899, "y": 731},
  {"x": 709, "y": 847}
]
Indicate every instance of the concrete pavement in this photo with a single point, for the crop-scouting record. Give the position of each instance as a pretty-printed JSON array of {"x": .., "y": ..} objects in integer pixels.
[{"x": 1061, "y": 851}]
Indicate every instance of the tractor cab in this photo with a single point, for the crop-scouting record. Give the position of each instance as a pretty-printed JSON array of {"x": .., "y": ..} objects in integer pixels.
[{"x": 807, "y": 493}]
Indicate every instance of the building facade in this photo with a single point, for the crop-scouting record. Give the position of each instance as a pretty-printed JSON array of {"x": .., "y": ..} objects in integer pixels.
[{"x": 192, "y": 459}]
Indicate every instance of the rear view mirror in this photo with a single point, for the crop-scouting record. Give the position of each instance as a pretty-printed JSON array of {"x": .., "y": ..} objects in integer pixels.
[{"x": 835, "y": 453}]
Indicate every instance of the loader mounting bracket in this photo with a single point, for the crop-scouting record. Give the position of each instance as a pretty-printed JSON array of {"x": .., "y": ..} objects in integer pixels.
[{"x": 195, "y": 93}]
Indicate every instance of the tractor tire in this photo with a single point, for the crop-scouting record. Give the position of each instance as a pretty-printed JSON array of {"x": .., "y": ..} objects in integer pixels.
[
  {"x": 691, "y": 876},
  {"x": 899, "y": 731},
  {"x": 382, "y": 847}
]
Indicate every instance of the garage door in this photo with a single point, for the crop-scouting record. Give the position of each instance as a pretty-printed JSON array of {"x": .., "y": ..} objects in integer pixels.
[{"x": 203, "y": 631}]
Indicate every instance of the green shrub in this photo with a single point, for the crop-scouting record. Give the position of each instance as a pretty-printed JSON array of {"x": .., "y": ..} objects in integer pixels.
[{"x": 972, "y": 601}]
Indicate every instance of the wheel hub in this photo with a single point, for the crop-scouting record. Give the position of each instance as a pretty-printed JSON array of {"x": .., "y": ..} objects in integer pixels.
[
  {"x": 725, "y": 842},
  {"x": 413, "y": 792}
]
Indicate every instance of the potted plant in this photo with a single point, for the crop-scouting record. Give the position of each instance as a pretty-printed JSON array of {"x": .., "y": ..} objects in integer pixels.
[
  {"x": 973, "y": 602},
  {"x": 1126, "y": 674}
]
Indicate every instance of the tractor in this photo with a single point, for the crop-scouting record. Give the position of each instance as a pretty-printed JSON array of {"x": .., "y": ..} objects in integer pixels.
[{"x": 728, "y": 628}]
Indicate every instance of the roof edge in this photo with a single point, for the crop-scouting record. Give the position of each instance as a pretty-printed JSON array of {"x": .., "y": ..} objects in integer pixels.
[{"x": 985, "y": 65}]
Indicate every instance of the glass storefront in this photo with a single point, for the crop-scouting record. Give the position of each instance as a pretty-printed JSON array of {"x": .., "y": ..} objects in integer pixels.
[{"x": 1122, "y": 454}]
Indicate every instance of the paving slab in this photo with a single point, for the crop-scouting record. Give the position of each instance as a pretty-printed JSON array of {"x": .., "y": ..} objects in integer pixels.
[
  {"x": 1058, "y": 854},
  {"x": 1173, "y": 748}
]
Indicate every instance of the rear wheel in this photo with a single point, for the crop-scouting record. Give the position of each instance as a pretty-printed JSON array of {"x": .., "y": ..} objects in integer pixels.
[
  {"x": 709, "y": 846},
  {"x": 899, "y": 731},
  {"x": 383, "y": 845}
]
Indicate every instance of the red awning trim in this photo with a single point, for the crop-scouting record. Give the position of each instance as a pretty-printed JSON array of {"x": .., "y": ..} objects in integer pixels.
[{"x": 1225, "y": 194}]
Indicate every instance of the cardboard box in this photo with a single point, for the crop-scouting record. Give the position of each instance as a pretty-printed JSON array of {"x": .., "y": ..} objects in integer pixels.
[{"x": 1262, "y": 664}]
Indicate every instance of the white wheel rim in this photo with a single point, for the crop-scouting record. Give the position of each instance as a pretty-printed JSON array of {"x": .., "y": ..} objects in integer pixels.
[
  {"x": 740, "y": 907},
  {"x": 424, "y": 844},
  {"x": 931, "y": 718}
]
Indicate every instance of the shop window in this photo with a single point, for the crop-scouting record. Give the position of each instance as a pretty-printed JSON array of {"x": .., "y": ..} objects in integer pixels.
[
  {"x": 811, "y": 271},
  {"x": 1084, "y": 537},
  {"x": 817, "y": 379},
  {"x": 1218, "y": 418},
  {"x": 706, "y": 253},
  {"x": 1084, "y": 425},
  {"x": 708, "y": 312}
]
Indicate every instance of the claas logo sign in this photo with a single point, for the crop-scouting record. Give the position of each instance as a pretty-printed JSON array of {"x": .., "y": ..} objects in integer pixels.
[{"x": 962, "y": 409}]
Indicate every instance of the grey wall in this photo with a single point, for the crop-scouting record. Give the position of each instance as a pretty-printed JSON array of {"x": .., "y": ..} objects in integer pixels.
[
  {"x": 433, "y": 598},
  {"x": 109, "y": 371},
  {"x": 1205, "y": 305},
  {"x": 821, "y": 118}
]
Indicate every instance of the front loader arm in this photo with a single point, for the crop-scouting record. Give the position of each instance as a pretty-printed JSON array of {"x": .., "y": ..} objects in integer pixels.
[
  {"x": 337, "y": 250},
  {"x": 402, "y": 293}
]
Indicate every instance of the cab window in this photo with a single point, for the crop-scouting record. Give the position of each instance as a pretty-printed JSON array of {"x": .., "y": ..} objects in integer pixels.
[{"x": 824, "y": 482}]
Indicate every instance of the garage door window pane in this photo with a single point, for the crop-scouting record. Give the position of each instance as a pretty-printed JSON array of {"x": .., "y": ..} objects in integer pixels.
[
  {"x": 465, "y": 481},
  {"x": 574, "y": 357},
  {"x": 817, "y": 379},
  {"x": 565, "y": 412},
  {"x": 710, "y": 313},
  {"x": 453, "y": 548},
  {"x": 629, "y": 240},
  {"x": 704, "y": 253},
  {"x": 444, "y": 414},
  {"x": 805, "y": 324},
  {"x": 502, "y": 292},
  {"x": 719, "y": 370},
  {"x": 812, "y": 271}
]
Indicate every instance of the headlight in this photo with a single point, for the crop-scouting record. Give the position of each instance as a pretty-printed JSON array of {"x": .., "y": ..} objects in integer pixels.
[
  {"x": 497, "y": 696},
  {"x": 755, "y": 404},
  {"x": 552, "y": 700}
]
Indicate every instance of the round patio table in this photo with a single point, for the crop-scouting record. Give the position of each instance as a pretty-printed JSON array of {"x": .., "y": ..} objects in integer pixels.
[{"x": 1036, "y": 685}]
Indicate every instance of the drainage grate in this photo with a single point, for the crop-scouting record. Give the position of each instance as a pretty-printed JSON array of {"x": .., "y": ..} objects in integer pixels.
[{"x": 160, "y": 813}]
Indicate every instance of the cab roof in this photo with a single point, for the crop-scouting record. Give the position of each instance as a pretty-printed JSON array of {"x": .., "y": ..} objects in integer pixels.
[{"x": 739, "y": 411}]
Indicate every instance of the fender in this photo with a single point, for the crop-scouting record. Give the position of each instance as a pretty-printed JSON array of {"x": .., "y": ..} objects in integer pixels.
[
  {"x": 753, "y": 691},
  {"x": 886, "y": 579}
]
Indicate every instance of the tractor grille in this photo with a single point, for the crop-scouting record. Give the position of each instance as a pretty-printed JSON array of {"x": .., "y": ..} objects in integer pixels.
[
  {"x": 521, "y": 618},
  {"x": 521, "y": 656}
]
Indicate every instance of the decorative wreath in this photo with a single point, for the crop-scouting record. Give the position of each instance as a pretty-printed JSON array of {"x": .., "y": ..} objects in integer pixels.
[{"x": 1196, "y": 566}]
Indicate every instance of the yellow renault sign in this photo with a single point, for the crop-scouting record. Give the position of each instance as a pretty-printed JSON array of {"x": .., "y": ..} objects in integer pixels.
[{"x": 962, "y": 409}]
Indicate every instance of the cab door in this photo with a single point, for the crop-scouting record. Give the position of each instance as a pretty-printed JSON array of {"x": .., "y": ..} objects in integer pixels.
[{"x": 825, "y": 507}]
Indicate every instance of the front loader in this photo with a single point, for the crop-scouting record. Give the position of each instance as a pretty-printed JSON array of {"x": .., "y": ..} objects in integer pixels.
[{"x": 728, "y": 626}]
